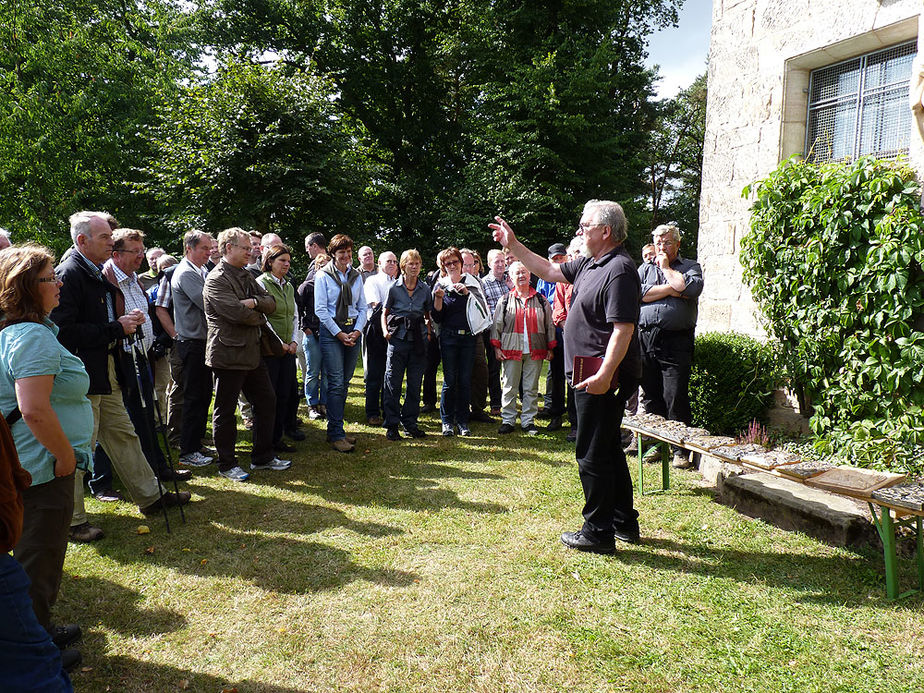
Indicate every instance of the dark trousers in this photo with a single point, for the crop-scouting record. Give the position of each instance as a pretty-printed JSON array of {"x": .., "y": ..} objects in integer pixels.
[
  {"x": 140, "y": 406},
  {"x": 258, "y": 390},
  {"x": 403, "y": 359},
  {"x": 281, "y": 371},
  {"x": 494, "y": 370},
  {"x": 667, "y": 359},
  {"x": 374, "y": 375},
  {"x": 29, "y": 659},
  {"x": 555, "y": 382},
  {"x": 47, "y": 512},
  {"x": 458, "y": 353},
  {"x": 433, "y": 365},
  {"x": 479, "y": 374},
  {"x": 602, "y": 463},
  {"x": 197, "y": 394}
]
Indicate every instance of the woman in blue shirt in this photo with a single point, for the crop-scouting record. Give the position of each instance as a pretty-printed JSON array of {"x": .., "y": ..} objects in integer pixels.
[{"x": 48, "y": 386}]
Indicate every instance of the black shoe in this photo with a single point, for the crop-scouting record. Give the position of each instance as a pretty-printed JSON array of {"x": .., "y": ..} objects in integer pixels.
[
  {"x": 427, "y": 408},
  {"x": 479, "y": 416},
  {"x": 577, "y": 540},
  {"x": 415, "y": 432},
  {"x": 168, "y": 500},
  {"x": 70, "y": 659},
  {"x": 175, "y": 475},
  {"x": 283, "y": 446},
  {"x": 392, "y": 434},
  {"x": 62, "y": 636},
  {"x": 505, "y": 428},
  {"x": 108, "y": 495},
  {"x": 544, "y": 414},
  {"x": 572, "y": 436},
  {"x": 531, "y": 430},
  {"x": 554, "y": 424},
  {"x": 296, "y": 435},
  {"x": 629, "y": 537}
]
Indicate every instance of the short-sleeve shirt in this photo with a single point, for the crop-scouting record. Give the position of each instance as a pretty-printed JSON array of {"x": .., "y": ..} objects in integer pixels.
[
  {"x": 30, "y": 349},
  {"x": 606, "y": 291}
]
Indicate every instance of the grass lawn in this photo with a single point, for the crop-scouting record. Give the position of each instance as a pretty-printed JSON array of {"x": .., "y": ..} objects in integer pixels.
[{"x": 435, "y": 565}]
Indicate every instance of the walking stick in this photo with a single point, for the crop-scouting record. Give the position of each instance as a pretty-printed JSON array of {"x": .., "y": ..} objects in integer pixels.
[
  {"x": 132, "y": 340},
  {"x": 163, "y": 431}
]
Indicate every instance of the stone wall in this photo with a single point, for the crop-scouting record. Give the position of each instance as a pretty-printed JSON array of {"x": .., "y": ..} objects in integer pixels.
[{"x": 760, "y": 57}]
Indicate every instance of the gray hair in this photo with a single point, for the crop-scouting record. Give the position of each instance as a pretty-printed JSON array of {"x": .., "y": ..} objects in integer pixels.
[
  {"x": 493, "y": 253},
  {"x": 80, "y": 224},
  {"x": 153, "y": 251},
  {"x": 576, "y": 246},
  {"x": 670, "y": 229},
  {"x": 165, "y": 261},
  {"x": 610, "y": 214}
]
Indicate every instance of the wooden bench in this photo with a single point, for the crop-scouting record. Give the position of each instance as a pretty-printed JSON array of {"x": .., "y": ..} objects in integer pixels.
[{"x": 890, "y": 513}]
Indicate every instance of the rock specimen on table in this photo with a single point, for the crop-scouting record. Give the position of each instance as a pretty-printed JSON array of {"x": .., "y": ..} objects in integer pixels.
[
  {"x": 734, "y": 453},
  {"x": 909, "y": 496},
  {"x": 708, "y": 442},
  {"x": 853, "y": 481},
  {"x": 804, "y": 470},
  {"x": 769, "y": 459}
]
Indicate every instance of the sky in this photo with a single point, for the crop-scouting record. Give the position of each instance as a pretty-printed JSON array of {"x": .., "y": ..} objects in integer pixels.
[{"x": 681, "y": 52}]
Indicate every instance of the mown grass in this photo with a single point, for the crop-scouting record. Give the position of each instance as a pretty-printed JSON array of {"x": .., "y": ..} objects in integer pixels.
[{"x": 435, "y": 565}]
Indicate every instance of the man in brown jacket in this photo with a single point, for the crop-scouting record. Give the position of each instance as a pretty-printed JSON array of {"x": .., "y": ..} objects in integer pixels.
[{"x": 235, "y": 309}]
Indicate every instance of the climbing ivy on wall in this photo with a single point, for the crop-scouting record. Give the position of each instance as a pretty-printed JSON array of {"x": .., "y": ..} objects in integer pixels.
[{"x": 834, "y": 261}]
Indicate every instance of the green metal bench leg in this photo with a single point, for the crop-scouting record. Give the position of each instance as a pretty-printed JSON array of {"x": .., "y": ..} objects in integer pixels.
[
  {"x": 665, "y": 467},
  {"x": 919, "y": 525},
  {"x": 887, "y": 534}
]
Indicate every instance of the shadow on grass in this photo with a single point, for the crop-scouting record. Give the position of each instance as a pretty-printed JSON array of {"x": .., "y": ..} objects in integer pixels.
[
  {"x": 223, "y": 539},
  {"x": 823, "y": 580},
  {"x": 126, "y": 674},
  {"x": 95, "y": 596}
]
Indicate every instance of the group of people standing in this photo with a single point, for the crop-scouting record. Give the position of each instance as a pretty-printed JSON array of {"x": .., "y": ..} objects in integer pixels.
[{"x": 99, "y": 359}]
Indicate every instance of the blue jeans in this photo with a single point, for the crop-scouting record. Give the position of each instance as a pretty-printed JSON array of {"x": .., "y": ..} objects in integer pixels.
[
  {"x": 315, "y": 392},
  {"x": 339, "y": 364},
  {"x": 458, "y": 351},
  {"x": 29, "y": 660},
  {"x": 401, "y": 359}
]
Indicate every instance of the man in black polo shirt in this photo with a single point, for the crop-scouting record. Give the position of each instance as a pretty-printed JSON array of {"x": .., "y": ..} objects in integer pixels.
[{"x": 602, "y": 322}]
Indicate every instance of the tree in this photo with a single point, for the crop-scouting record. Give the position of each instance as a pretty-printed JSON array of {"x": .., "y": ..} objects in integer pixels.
[
  {"x": 257, "y": 146},
  {"x": 675, "y": 162},
  {"x": 80, "y": 81}
]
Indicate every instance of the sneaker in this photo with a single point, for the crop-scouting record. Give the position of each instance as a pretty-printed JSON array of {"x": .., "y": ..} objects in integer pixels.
[
  {"x": 195, "y": 459},
  {"x": 248, "y": 424},
  {"x": 343, "y": 445},
  {"x": 85, "y": 533},
  {"x": 464, "y": 431},
  {"x": 235, "y": 474},
  {"x": 206, "y": 451},
  {"x": 347, "y": 437},
  {"x": 447, "y": 431},
  {"x": 682, "y": 461},
  {"x": 505, "y": 428},
  {"x": 314, "y": 414},
  {"x": 531, "y": 429},
  {"x": 168, "y": 500},
  {"x": 392, "y": 434},
  {"x": 275, "y": 464}
]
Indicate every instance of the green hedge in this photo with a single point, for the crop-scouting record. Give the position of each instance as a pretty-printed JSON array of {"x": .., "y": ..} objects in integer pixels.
[{"x": 732, "y": 381}]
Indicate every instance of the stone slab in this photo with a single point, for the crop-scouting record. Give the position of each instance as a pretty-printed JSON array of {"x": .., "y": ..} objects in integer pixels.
[{"x": 792, "y": 506}]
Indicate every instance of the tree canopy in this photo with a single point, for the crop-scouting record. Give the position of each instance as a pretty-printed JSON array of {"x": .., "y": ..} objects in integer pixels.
[{"x": 404, "y": 122}]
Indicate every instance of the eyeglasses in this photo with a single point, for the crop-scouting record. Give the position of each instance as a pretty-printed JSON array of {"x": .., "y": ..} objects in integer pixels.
[
  {"x": 583, "y": 227},
  {"x": 131, "y": 252},
  {"x": 451, "y": 263},
  {"x": 48, "y": 280}
]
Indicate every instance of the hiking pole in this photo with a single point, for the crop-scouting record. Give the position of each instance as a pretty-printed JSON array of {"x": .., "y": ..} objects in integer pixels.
[
  {"x": 163, "y": 434},
  {"x": 132, "y": 341}
]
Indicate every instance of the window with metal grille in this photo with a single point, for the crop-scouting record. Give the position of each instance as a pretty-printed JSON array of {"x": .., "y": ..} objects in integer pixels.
[{"x": 860, "y": 106}]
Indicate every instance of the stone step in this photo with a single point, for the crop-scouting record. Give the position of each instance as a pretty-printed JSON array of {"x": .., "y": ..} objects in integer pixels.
[{"x": 787, "y": 504}]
